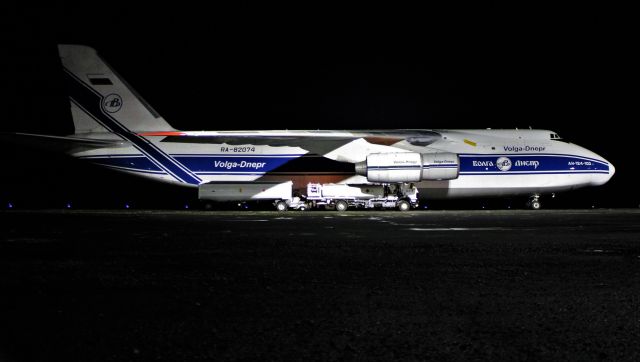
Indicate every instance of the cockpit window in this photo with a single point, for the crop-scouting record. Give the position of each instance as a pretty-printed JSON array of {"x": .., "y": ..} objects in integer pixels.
[{"x": 554, "y": 136}]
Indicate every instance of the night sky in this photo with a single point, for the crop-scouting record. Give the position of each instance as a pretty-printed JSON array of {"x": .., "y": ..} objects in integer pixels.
[{"x": 325, "y": 66}]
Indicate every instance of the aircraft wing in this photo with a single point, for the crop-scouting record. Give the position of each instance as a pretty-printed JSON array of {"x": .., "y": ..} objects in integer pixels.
[
  {"x": 312, "y": 144},
  {"x": 350, "y": 147},
  {"x": 59, "y": 143},
  {"x": 313, "y": 141}
]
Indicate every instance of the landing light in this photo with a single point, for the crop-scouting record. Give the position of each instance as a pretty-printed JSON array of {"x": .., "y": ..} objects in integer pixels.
[{"x": 9, "y": 205}]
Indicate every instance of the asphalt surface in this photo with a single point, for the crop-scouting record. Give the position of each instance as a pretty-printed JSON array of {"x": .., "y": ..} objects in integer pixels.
[{"x": 445, "y": 285}]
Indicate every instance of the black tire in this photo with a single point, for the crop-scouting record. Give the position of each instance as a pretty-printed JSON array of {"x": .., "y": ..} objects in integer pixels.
[
  {"x": 535, "y": 205},
  {"x": 341, "y": 205},
  {"x": 403, "y": 205},
  {"x": 281, "y": 206}
]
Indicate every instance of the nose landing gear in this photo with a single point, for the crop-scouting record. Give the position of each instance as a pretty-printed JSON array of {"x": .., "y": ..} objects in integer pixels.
[{"x": 534, "y": 202}]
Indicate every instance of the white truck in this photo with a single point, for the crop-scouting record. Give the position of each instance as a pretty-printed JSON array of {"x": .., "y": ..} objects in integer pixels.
[{"x": 340, "y": 197}]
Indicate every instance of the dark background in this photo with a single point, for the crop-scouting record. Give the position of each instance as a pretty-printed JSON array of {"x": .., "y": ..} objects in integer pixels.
[{"x": 323, "y": 66}]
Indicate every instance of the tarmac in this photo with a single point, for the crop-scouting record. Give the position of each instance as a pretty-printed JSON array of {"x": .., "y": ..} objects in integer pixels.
[{"x": 320, "y": 285}]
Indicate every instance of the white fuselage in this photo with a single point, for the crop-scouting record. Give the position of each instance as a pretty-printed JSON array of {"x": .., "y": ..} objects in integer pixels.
[{"x": 492, "y": 162}]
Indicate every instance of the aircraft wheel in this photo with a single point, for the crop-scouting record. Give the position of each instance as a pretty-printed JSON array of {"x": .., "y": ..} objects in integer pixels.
[
  {"x": 404, "y": 206},
  {"x": 341, "y": 205},
  {"x": 535, "y": 205},
  {"x": 281, "y": 206}
]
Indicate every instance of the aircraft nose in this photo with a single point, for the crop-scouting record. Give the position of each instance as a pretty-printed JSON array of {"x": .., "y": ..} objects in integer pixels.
[
  {"x": 603, "y": 179},
  {"x": 612, "y": 170}
]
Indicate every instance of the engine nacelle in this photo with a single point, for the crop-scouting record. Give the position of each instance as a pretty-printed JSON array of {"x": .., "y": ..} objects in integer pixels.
[
  {"x": 440, "y": 166},
  {"x": 409, "y": 167}
]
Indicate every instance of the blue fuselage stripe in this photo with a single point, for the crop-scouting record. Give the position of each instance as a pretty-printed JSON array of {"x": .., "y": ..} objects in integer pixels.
[
  {"x": 533, "y": 173},
  {"x": 519, "y": 164},
  {"x": 256, "y": 164}
]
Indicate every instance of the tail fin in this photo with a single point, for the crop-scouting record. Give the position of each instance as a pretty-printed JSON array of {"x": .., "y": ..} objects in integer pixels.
[{"x": 101, "y": 101}]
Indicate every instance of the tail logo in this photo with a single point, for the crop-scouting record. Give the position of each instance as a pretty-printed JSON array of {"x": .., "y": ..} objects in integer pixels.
[{"x": 112, "y": 103}]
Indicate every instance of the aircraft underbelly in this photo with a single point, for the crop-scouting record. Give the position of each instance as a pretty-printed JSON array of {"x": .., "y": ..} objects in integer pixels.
[{"x": 501, "y": 185}]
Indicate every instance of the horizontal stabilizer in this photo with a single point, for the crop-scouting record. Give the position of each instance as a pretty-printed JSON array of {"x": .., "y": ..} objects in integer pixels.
[{"x": 59, "y": 143}]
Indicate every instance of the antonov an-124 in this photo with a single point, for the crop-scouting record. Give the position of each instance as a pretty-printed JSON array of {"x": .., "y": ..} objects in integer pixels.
[{"x": 117, "y": 129}]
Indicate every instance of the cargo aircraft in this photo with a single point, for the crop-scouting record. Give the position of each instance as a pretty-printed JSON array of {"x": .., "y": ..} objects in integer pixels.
[{"x": 117, "y": 129}]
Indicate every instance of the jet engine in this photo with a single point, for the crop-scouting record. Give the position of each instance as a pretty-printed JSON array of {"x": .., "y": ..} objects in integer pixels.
[{"x": 409, "y": 166}]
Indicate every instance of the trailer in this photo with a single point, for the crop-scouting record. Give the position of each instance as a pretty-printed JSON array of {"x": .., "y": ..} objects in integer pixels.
[{"x": 278, "y": 192}]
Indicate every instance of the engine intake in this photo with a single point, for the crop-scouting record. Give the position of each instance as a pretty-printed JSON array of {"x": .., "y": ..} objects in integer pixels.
[{"x": 409, "y": 167}]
